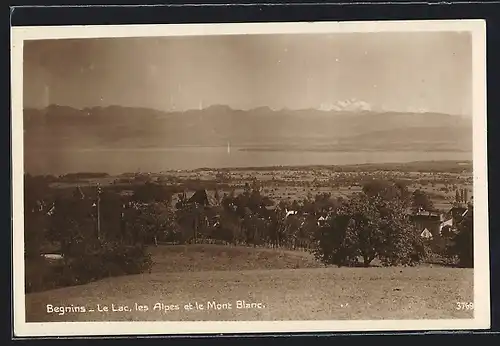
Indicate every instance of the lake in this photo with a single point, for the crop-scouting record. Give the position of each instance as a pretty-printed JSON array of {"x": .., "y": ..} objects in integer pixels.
[{"x": 116, "y": 161}]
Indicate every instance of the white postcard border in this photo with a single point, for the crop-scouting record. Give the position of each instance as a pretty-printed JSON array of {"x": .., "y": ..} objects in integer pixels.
[{"x": 481, "y": 318}]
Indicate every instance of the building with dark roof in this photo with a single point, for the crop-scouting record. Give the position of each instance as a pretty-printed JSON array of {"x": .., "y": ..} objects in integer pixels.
[{"x": 202, "y": 197}]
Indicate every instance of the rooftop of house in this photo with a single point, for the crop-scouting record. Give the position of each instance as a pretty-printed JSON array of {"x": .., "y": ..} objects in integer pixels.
[{"x": 205, "y": 198}]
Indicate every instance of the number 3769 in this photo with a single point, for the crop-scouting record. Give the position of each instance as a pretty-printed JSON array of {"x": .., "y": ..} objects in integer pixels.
[{"x": 465, "y": 306}]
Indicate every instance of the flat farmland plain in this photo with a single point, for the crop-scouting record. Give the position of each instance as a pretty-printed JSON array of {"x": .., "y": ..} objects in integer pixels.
[{"x": 440, "y": 180}]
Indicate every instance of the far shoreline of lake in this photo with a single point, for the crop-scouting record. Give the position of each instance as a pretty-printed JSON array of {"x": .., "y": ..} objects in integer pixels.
[{"x": 114, "y": 162}]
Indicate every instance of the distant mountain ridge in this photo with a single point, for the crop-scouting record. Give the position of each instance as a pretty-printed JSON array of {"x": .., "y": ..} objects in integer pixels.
[{"x": 61, "y": 127}]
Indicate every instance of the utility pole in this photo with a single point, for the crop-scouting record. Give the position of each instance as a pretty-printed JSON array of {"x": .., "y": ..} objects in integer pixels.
[
  {"x": 99, "y": 212},
  {"x": 196, "y": 221}
]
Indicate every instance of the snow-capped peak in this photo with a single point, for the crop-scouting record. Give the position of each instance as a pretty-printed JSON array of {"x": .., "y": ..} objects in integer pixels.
[
  {"x": 346, "y": 105},
  {"x": 417, "y": 110}
]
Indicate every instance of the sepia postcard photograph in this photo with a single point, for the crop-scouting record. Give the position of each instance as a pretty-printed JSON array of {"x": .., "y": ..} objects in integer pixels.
[{"x": 249, "y": 178}]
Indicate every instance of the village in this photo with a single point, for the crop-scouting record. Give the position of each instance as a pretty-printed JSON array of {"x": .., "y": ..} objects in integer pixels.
[
  {"x": 282, "y": 208},
  {"x": 444, "y": 201}
]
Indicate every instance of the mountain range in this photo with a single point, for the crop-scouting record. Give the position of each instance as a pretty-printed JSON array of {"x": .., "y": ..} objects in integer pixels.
[{"x": 114, "y": 127}]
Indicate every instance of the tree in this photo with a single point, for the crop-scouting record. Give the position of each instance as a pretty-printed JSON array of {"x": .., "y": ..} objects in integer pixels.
[
  {"x": 247, "y": 189},
  {"x": 462, "y": 243},
  {"x": 385, "y": 189},
  {"x": 292, "y": 230},
  {"x": 190, "y": 217},
  {"x": 307, "y": 231},
  {"x": 36, "y": 220},
  {"x": 335, "y": 242},
  {"x": 228, "y": 228},
  {"x": 36, "y": 190},
  {"x": 72, "y": 223},
  {"x": 152, "y": 192},
  {"x": 370, "y": 226},
  {"x": 35, "y": 232},
  {"x": 400, "y": 244},
  {"x": 256, "y": 202},
  {"x": 254, "y": 228},
  {"x": 153, "y": 222},
  {"x": 364, "y": 228},
  {"x": 112, "y": 215},
  {"x": 277, "y": 226},
  {"x": 324, "y": 203},
  {"x": 420, "y": 200},
  {"x": 73, "y": 226}
]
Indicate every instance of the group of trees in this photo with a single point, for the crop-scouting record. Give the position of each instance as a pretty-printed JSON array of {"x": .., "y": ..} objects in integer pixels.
[
  {"x": 69, "y": 225},
  {"x": 368, "y": 225},
  {"x": 461, "y": 242},
  {"x": 373, "y": 224}
]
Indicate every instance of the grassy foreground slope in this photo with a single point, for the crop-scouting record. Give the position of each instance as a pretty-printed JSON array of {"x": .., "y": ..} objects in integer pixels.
[
  {"x": 207, "y": 273},
  {"x": 196, "y": 258}
]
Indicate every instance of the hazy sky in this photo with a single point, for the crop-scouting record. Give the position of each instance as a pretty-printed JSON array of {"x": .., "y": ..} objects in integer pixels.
[{"x": 392, "y": 71}]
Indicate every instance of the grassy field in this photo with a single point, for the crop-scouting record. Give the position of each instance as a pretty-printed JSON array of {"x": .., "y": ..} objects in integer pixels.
[{"x": 289, "y": 285}]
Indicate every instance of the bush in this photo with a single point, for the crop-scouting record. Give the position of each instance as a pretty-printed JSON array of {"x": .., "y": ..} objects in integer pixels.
[
  {"x": 41, "y": 275},
  {"x": 112, "y": 259}
]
